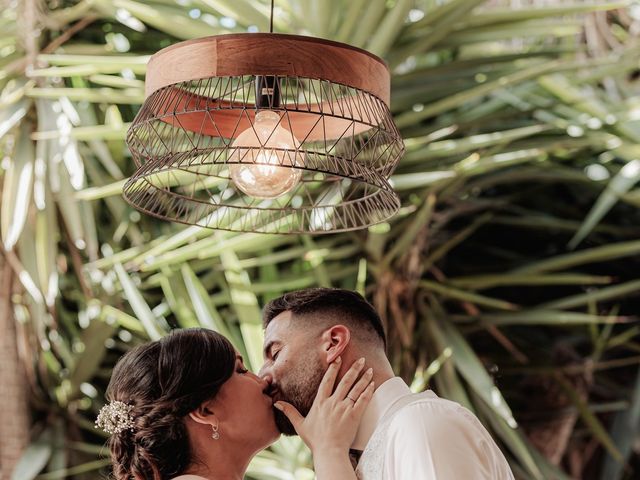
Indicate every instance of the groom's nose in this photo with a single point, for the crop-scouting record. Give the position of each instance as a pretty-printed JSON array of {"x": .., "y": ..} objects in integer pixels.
[
  {"x": 268, "y": 380},
  {"x": 266, "y": 386},
  {"x": 265, "y": 376},
  {"x": 264, "y": 373}
]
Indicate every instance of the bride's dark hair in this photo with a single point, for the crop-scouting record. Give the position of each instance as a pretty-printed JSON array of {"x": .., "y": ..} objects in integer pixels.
[{"x": 164, "y": 381}]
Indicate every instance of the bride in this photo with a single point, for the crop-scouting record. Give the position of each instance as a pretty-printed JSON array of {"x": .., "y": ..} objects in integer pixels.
[{"x": 185, "y": 408}]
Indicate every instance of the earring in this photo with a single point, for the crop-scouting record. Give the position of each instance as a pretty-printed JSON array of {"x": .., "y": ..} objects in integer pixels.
[{"x": 215, "y": 435}]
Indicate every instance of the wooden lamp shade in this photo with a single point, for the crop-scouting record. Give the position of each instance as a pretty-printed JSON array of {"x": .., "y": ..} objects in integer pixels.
[{"x": 201, "y": 94}]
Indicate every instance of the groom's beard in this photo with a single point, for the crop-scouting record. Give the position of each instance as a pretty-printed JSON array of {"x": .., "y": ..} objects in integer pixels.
[{"x": 299, "y": 388}]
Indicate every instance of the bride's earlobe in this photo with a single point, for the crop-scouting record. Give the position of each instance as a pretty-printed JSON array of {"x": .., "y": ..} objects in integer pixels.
[{"x": 203, "y": 415}]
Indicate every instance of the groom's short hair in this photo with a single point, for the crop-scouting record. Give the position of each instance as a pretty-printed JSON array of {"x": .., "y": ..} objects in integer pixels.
[{"x": 335, "y": 304}]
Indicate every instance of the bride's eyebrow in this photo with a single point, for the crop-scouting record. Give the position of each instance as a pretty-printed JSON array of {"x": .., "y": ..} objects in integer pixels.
[{"x": 239, "y": 357}]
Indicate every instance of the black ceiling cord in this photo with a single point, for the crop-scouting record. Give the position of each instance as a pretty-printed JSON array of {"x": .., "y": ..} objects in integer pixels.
[
  {"x": 271, "y": 19},
  {"x": 267, "y": 86}
]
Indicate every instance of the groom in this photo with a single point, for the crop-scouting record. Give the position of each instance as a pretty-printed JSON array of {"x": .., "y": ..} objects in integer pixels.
[{"x": 402, "y": 436}]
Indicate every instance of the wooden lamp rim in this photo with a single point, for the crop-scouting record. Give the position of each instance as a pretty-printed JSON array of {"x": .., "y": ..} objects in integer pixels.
[
  {"x": 268, "y": 54},
  {"x": 283, "y": 36}
]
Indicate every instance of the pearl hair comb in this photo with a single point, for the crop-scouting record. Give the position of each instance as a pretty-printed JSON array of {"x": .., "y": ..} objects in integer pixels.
[{"x": 115, "y": 417}]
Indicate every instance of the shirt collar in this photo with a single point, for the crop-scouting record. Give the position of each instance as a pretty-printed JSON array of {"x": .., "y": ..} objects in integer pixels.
[{"x": 383, "y": 398}]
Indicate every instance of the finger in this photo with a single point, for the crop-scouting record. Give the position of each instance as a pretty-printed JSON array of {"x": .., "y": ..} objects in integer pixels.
[
  {"x": 349, "y": 379},
  {"x": 361, "y": 385},
  {"x": 291, "y": 413},
  {"x": 364, "y": 399},
  {"x": 329, "y": 379}
]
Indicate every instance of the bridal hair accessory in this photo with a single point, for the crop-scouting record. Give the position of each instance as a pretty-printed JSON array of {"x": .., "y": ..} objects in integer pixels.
[
  {"x": 115, "y": 417},
  {"x": 215, "y": 435}
]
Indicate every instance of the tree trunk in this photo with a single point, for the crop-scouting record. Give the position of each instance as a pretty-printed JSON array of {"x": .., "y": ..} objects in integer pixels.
[{"x": 14, "y": 411}]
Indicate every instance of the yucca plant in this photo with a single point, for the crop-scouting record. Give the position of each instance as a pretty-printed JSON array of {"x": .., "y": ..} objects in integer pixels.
[{"x": 508, "y": 281}]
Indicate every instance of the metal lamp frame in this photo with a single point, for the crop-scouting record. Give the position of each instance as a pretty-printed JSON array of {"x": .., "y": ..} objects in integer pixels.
[{"x": 201, "y": 94}]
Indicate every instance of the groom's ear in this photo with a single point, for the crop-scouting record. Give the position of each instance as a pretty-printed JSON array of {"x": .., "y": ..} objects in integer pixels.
[
  {"x": 335, "y": 341},
  {"x": 204, "y": 414}
]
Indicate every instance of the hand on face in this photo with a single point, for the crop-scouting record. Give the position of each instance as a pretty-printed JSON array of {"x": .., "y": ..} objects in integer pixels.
[
  {"x": 297, "y": 383},
  {"x": 333, "y": 420},
  {"x": 294, "y": 364}
]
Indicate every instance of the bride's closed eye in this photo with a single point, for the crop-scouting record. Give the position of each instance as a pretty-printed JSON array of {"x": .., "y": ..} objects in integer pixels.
[{"x": 240, "y": 365}]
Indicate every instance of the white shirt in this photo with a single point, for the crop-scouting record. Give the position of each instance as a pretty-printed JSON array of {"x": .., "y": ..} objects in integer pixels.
[{"x": 407, "y": 436}]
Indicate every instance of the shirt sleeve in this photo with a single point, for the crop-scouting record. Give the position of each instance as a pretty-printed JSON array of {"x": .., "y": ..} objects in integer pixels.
[{"x": 428, "y": 441}]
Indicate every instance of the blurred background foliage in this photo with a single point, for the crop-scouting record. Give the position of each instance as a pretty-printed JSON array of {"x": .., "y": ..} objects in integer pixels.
[{"x": 508, "y": 282}]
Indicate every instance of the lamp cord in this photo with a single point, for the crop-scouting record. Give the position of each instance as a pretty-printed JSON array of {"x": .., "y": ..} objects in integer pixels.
[{"x": 271, "y": 19}]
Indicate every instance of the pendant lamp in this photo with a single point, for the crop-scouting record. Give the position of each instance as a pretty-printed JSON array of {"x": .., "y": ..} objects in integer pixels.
[{"x": 265, "y": 132}]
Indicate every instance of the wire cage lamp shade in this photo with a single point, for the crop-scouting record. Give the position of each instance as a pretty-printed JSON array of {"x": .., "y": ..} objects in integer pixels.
[{"x": 265, "y": 133}]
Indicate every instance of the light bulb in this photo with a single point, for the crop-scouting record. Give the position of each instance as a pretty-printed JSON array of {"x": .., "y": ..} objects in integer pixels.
[{"x": 256, "y": 167}]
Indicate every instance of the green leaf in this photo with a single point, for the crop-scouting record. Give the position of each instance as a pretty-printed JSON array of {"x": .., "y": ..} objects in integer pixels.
[
  {"x": 595, "y": 296},
  {"x": 599, "y": 432},
  {"x": 35, "y": 458},
  {"x": 92, "y": 341},
  {"x": 414, "y": 227},
  {"x": 458, "y": 99},
  {"x": 245, "y": 304},
  {"x": 243, "y": 11},
  {"x": 437, "y": 25},
  {"x": 450, "y": 292},
  {"x": 174, "y": 21},
  {"x": 175, "y": 293},
  {"x": 11, "y": 115},
  {"x": 367, "y": 23},
  {"x": 350, "y": 19},
  {"x": 112, "y": 314},
  {"x": 620, "y": 184},
  {"x": 481, "y": 282},
  {"x": 583, "y": 257},
  {"x": 391, "y": 25},
  {"x": 509, "y": 15},
  {"x": 472, "y": 370},
  {"x": 17, "y": 188},
  {"x": 624, "y": 432},
  {"x": 107, "y": 64},
  {"x": 517, "y": 443},
  {"x": 80, "y": 469},
  {"x": 541, "y": 317},
  {"x": 206, "y": 313},
  {"x": 87, "y": 133},
  {"x": 94, "y": 95},
  {"x": 138, "y": 304}
]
